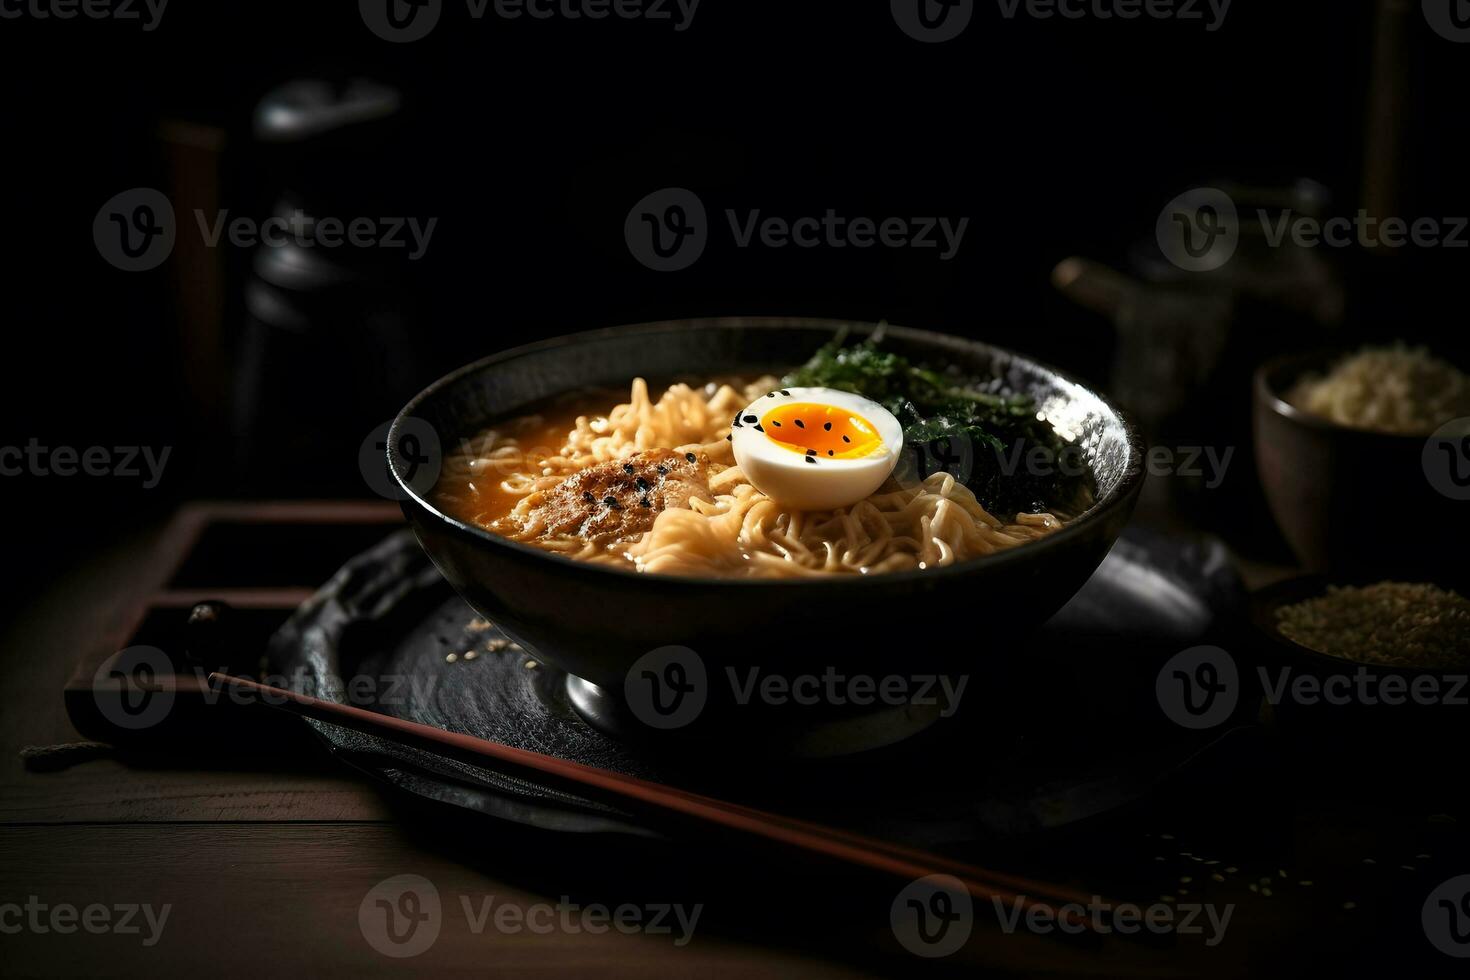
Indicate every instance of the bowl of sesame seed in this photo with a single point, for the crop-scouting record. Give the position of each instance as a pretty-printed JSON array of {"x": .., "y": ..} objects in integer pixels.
[{"x": 1344, "y": 648}]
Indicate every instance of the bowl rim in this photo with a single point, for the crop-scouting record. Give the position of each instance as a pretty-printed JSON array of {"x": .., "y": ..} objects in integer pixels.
[
  {"x": 1267, "y": 395},
  {"x": 1120, "y": 497}
]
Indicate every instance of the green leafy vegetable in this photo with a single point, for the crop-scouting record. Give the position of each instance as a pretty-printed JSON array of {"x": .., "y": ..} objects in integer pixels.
[{"x": 986, "y": 440}]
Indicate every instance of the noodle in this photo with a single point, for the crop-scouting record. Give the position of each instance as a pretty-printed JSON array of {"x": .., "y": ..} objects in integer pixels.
[{"x": 497, "y": 479}]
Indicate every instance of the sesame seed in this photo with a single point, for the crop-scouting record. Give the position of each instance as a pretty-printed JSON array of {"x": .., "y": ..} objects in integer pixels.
[
  {"x": 611, "y": 502},
  {"x": 451, "y": 658},
  {"x": 1217, "y": 876},
  {"x": 811, "y": 452},
  {"x": 1231, "y": 870},
  {"x": 845, "y": 439},
  {"x": 831, "y": 453},
  {"x": 800, "y": 424},
  {"x": 1349, "y": 906},
  {"x": 587, "y": 496},
  {"x": 1306, "y": 884},
  {"x": 627, "y": 467},
  {"x": 641, "y": 483},
  {"x": 1254, "y": 887},
  {"x": 775, "y": 423},
  {"x": 785, "y": 392},
  {"x": 1267, "y": 892},
  {"x": 644, "y": 503},
  {"x": 810, "y": 459},
  {"x": 689, "y": 456},
  {"x": 1185, "y": 880},
  {"x": 662, "y": 470},
  {"x": 1166, "y": 837},
  {"x": 827, "y": 426},
  {"x": 471, "y": 654}
]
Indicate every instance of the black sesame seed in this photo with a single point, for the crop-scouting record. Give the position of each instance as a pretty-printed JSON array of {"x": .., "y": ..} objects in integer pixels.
[
  {"x": 689, "y": 456},
  {"x": 811, "y": 452},
  {"x": 845, "y": 439},
  {"x": 828, "y": 426},
  {"x": 662, "y": 470},
  {"x": 611, "y": 502},
  {"x": 810, "y": 459},
  {"x": 800, "y": 424},
  {"x": 785, "y": 392},
  {"x": 587, "y": 496},
  {"x": 751, "y": 418},
  {"x": 641, "y": 483},
  {"x": 775, "y": 423},
  {"x": 830, "y": 453},
  {"x": 627, "y": 467},
  {"x": 644, "y": 502}
]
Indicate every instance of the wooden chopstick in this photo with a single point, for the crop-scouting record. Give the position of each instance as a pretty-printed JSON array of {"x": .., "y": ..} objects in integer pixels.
[{"x": 830, "y": 842}]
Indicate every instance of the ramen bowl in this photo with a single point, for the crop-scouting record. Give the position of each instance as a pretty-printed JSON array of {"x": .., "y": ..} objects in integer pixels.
[{"x": 598, "y": 623}]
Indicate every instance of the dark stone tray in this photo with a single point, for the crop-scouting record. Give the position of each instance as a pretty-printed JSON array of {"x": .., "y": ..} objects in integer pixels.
[{"x": 1077, "y": 732}]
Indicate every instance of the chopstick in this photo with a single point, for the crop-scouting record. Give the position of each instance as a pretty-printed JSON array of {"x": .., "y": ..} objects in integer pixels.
[{"x": 829, "y": 842}]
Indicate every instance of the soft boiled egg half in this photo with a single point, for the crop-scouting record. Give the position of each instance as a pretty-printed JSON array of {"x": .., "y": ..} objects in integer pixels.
[{"x": 816, "y": 448}]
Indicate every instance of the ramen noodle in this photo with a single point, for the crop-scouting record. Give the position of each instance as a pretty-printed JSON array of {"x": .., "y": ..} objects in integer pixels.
[{"x": 518, "y": 478}]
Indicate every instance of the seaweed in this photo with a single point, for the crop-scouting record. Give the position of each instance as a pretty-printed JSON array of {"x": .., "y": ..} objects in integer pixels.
[{"x": 987, "y": 441}]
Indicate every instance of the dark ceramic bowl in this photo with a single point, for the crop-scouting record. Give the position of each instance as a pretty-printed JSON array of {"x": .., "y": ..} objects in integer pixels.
[
  {"x": 1350, "y": 500},
  {"x": 595, "y": 621},
  {"x": 1343, "y": 698}
]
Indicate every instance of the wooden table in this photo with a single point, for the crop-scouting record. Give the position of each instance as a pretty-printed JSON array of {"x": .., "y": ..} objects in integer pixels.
[
  {"x": 266, "y": 860},
  {"x": 265, "y": 865}
]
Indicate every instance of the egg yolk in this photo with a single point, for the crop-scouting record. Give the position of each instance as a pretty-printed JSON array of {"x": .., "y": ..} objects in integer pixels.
[{"x": 834, "y": 433}]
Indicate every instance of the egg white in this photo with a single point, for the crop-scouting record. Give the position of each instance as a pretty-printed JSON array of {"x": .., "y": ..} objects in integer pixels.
[{"x": 786, "y": 477}]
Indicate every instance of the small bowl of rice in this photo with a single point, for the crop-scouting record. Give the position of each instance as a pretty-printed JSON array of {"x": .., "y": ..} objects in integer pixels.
[{"x": 1344, "y": 449}]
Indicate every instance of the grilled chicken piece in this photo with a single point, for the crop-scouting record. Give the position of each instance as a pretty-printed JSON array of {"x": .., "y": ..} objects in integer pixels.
[{"x": 620, "y": 498}]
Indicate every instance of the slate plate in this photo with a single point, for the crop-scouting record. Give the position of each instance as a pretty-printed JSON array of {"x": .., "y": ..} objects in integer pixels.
[{"x": 1078, "y": 731}]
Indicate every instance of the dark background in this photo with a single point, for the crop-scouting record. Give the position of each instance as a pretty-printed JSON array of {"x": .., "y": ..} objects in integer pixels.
[{"x": 530, "y": 141}]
